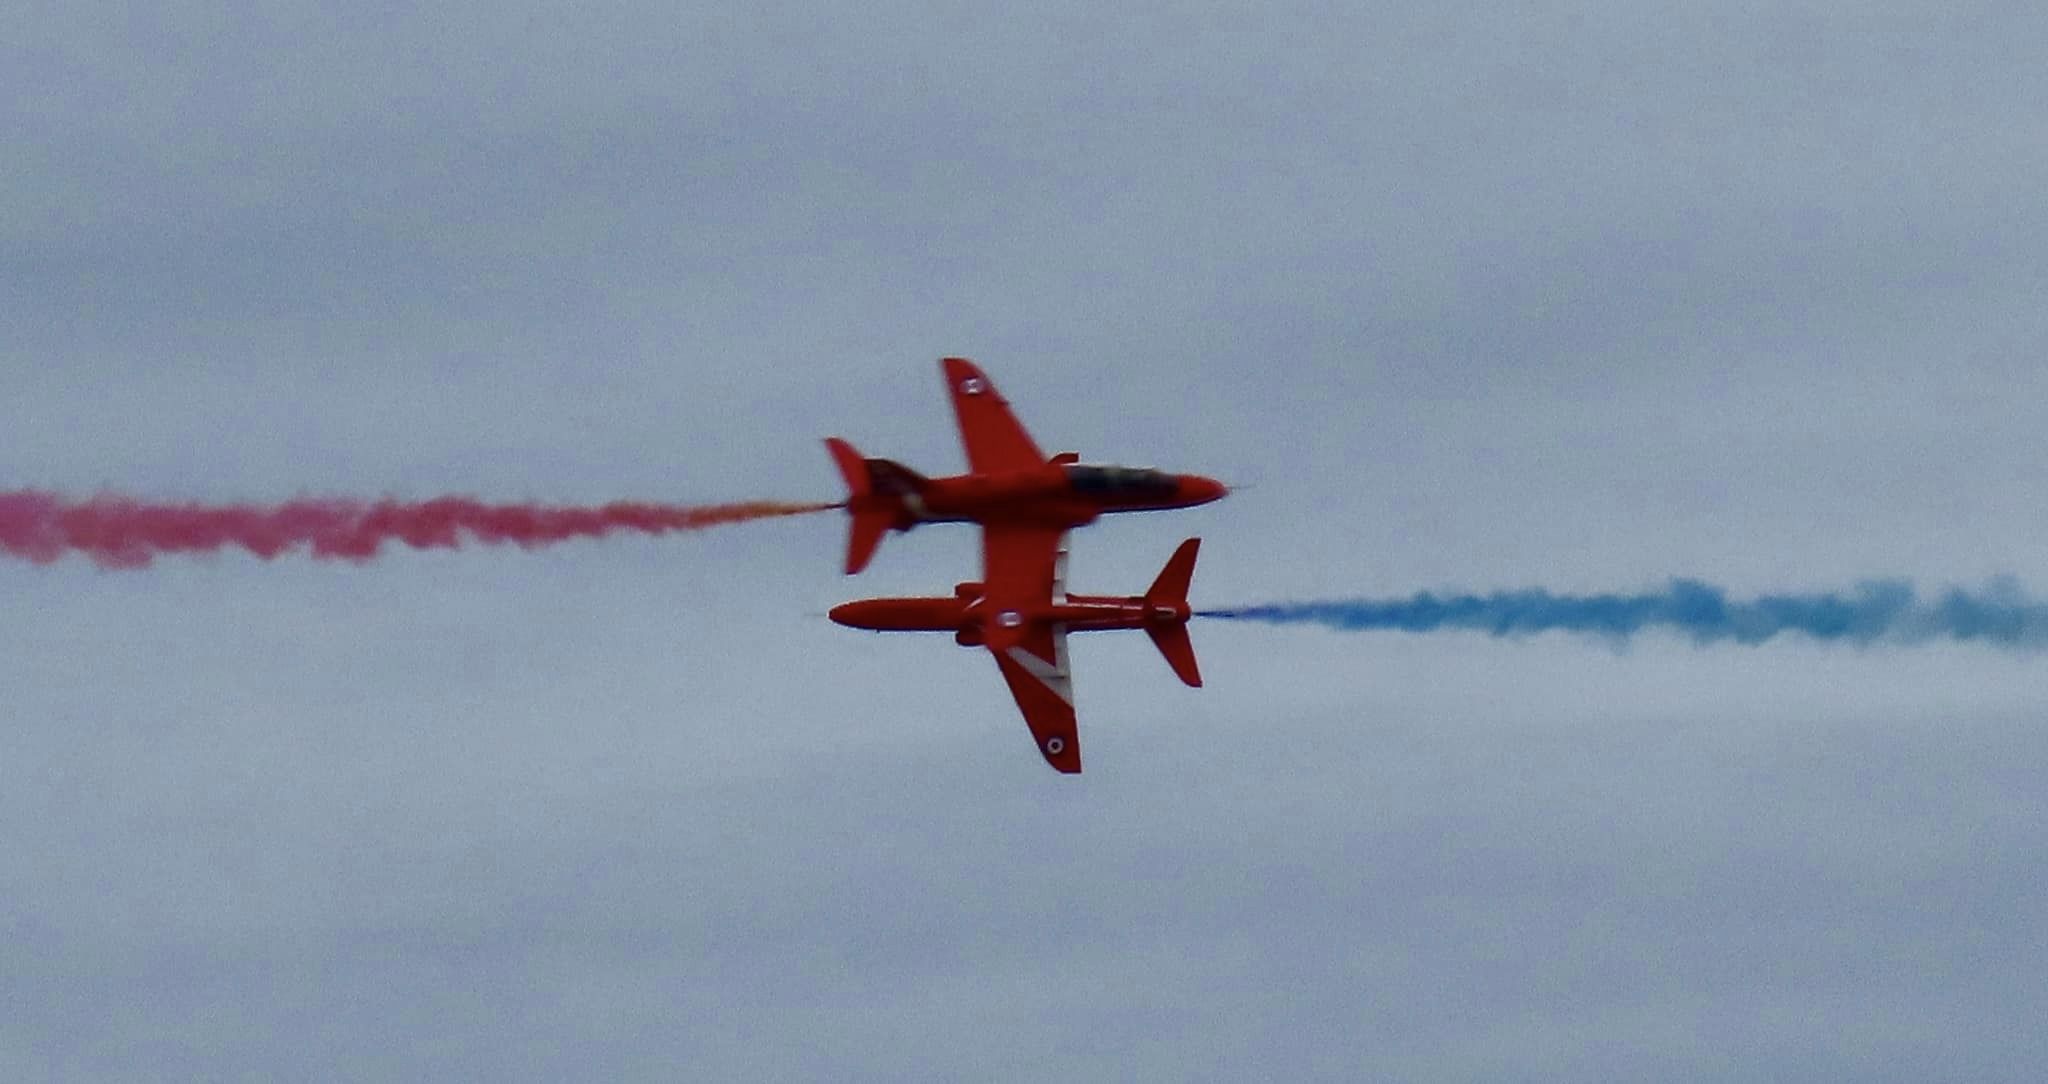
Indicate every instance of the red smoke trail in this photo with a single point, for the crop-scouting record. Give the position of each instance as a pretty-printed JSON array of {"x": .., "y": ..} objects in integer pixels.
[{"x": 121, "y": 532}]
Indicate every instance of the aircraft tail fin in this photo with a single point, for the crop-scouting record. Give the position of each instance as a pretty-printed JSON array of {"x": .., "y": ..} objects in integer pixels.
[
  {"x": 1172, "y": 642},
  {"x": 1171, "y": 589},
  {"x": 851, "y": 467},
  {"x": 875, "y": 492},
  {"x": 865, "y": 536},
  {"x": 1172, "y": 584},
  {"x": 865, "y": 477}
]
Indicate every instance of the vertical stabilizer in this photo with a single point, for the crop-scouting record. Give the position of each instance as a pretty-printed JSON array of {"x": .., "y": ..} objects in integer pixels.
[
  {"x": 869, "y": 522},
  {"x": 1172, "y": 585},
  {"x": 851, "y": 467},
  {"x": 877, "y": 497},
  {"x": 1171, "y": 589},
  {"x": 1172, "y": 642},
  {"x": 865, "y": 536}
]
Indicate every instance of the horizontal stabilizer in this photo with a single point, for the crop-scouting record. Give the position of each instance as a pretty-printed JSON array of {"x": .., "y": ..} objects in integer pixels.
[
  {"x": 1173, "y": 581},
  {"x": 851, "y": 466},
  {"x": 865, "y": 535},
  {"x": 1171, "y": 589},
  {"x": 1173, "y": 643}
]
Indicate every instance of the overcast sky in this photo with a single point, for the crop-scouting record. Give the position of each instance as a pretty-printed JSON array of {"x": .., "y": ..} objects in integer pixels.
[{"x": 1579, "y": 296}]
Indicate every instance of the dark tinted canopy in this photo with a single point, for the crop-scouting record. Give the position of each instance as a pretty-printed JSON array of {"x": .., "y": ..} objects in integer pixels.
[{"x": 1131, "y": 480}]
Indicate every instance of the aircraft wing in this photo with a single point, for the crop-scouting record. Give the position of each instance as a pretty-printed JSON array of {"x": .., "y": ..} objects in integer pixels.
[
  {"x": 1024, "y": 567},
  {"x": 995, "y": 441},
  {"x": 1035, "y": 665}
]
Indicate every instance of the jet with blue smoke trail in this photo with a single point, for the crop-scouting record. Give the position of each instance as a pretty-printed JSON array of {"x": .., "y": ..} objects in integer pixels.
[{"x": 1875, "y": 612}]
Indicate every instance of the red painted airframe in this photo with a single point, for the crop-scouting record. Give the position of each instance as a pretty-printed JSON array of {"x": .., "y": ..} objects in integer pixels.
[
  {"x": 1010, "y": 483},
  {"x": 1026, "y": 629},
  {"x": 1025, "y": 503}
]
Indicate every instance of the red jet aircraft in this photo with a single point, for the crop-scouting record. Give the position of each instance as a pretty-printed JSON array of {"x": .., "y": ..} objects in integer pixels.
[
  {"x": 1022, "y": 614},
  {"x": 1025, "y": 503},
  {"x": 1025, "y": 499}
]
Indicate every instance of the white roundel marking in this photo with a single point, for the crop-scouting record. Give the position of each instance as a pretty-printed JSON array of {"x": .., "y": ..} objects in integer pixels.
[
  {"x": 1055, "y": 746},
  {"x": 973, "y": 385},
  {"x": 1009, "y": 619}
]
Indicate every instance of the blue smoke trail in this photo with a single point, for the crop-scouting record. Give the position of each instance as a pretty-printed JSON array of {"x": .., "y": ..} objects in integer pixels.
[{"x": 1877, "y": 611}]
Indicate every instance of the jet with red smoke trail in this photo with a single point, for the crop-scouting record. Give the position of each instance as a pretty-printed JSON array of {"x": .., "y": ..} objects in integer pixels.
[
  {"x": 1025, "y": 500},
  {"x": 1022, "y": 613}
]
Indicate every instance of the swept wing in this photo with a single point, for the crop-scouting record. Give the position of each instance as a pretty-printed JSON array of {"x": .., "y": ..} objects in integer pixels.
[
  {"x": 995, "y": 441},
  {"x": 1024, "y": 569}
]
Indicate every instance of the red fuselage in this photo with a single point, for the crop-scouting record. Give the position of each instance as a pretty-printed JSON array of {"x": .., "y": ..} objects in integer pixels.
[
  {"x": 965, "y": 614},
  {"x": 1056, "y": 494}
]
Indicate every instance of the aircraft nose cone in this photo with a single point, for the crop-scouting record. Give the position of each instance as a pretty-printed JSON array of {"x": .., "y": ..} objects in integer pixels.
[
  {"x": 855, "y": 615},
  {"x": 1196, "y": 489}
]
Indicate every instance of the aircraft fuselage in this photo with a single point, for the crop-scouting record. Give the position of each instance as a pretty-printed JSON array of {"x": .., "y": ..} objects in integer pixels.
[
  {"x": 966, "y": 613},
  {"x": 1054, "y": 495}
]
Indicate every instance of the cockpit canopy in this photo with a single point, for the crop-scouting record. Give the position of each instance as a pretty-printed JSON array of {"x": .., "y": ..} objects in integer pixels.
[{"x": 1136, "y": 481}]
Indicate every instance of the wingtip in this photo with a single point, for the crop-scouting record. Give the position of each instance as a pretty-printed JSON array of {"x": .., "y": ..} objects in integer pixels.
[
  {"x": 958, "y": 369},
  {"x": 1062, "y": 754}
]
